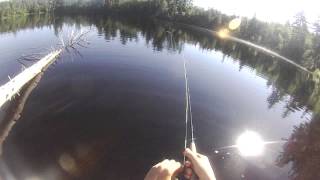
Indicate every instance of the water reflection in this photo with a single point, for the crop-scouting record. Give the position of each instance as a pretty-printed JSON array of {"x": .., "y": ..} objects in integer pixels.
[
  {"x": 302, "y": 151},
  {"x": 12, "y": 110},
  {"x": 23, "y": 22},
  {"x": 92, "y": 119}
]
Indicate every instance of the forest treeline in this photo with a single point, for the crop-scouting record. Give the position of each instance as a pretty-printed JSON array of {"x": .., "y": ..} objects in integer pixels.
[{"x": 298, "y": 40}]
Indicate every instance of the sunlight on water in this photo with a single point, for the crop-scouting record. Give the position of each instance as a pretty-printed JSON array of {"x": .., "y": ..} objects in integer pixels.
[{"x": 250, "y": 144}]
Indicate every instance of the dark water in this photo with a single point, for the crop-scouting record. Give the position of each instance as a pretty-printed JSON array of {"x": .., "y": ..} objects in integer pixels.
[{"x": 117, "y": 109}]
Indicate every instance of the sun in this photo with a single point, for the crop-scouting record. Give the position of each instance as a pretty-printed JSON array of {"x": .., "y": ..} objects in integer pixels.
[{"x": 250, "y": 143}]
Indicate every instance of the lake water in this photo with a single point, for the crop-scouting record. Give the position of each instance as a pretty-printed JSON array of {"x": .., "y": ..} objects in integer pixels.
[{"x": 118, "y": 108}]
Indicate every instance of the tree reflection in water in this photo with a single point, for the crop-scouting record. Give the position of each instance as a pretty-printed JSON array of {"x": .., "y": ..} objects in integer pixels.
[{"x": 302, "y": 151}]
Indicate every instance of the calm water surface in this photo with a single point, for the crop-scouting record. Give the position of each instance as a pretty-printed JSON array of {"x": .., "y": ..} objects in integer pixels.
[{"x": 117, "y": 109}]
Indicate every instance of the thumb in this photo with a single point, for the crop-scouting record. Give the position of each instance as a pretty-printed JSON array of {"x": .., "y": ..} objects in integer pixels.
[
  {"x": 179, "y": 169},
  {"x": 192, "y": 156}
]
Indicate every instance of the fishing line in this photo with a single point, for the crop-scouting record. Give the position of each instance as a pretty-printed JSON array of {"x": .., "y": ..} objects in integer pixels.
[
  {"x": 188, "y": 107},
  {"x": 188, "y": 110},
  {"x": 188, "y": 116},
  {"x": 189, "y": 99}
]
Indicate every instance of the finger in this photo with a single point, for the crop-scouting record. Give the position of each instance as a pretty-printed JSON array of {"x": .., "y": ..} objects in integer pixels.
[
  {"x": 155, "y": 170},
  {"x": 166, "y": 161},
  {"x": 178, "y": 169},
  {"x": 200, "y": 155},
  {"x": 163, "y": 163},
  {"x": 187, "y": 164},
  {"x": 175, "y": 165},
  {"x": 152, "y": 174},
  {"x": 158, "y": 165},
  {"x": 191, "y": 155},
  {"x": 187, "y": 176},
  {"x": 193, "y": 147},
  {"x": 167, "y": 169},
  {"x": 188, "y": 172}
]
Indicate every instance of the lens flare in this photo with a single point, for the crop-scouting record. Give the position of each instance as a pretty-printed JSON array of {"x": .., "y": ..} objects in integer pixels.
[
  {"x": 234, "y": 23},
  {"x": 250, "y": 144},
  {"x": 68, "y": 163},
  {"x": 223, "y": 33}
]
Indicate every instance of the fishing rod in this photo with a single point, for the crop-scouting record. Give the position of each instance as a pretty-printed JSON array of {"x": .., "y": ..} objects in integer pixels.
[
  {"x": 189, "y": 119},
  {"x": 224, "y": 34},
  {"x": 188, "y": 111}
]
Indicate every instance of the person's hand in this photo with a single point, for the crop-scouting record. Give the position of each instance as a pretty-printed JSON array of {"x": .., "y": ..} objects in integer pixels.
[
  {"x": 200, "y": 164},
  {"x": 165, "y": 170}
]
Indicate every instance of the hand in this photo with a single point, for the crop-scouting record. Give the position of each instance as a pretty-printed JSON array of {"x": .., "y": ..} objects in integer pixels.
[
  {"x": 165, "y": 170},
  {"x": 200, "y": 164}
]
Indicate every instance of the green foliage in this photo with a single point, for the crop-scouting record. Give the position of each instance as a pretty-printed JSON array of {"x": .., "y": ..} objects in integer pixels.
[
  {"x": 12, "y": 24},
  {"x": 21, "y": 7}
]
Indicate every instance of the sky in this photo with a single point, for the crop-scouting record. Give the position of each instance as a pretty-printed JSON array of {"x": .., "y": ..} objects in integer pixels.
[{"x": 266, "y": 10}]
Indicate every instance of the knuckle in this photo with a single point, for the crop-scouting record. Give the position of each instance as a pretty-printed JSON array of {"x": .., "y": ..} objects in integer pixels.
[
  {"x": 159, "y": 169},
  {"x": 154, "y": 168},
  {"x": 166, "y": 171},
  {"x": 205, "y": 158}
]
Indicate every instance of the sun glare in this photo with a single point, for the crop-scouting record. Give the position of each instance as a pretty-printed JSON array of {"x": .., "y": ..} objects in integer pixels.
[
  {"x": 234, "y": 24},
  {"x": 250, "y": 143},
  {"x": 223, "y": 33}
]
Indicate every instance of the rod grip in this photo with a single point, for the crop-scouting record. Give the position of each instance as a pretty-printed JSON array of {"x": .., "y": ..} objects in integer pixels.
[{"x": 193, "y": 149}]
